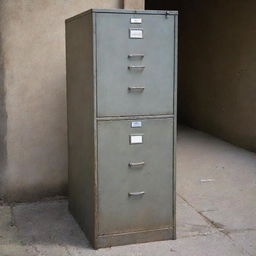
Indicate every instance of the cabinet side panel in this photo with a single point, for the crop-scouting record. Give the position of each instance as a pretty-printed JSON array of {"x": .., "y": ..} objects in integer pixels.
[{"x": 79, "y": 55}]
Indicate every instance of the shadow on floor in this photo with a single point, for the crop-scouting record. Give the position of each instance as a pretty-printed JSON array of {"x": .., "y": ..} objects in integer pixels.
[{"x": 48, "y": 222}]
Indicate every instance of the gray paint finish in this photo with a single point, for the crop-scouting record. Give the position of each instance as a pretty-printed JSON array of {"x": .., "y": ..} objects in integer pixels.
[
  {"x": 99, "y": 149},
  {"x": 118, "y": 212},
  {"x": 113, "y": 75},
  {"x": 79, "y": 53}
]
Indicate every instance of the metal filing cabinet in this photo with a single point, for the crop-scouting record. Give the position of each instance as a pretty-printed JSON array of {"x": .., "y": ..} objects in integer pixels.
[{"x": 121, "y": 96}]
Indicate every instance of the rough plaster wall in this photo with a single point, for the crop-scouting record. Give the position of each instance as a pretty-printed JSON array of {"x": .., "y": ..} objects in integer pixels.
[
  {"x": 217, "y": 62},
  {"x": 33, "y": 57},
  {"x": 3, "y": 117},
  {"x": 134, "y": 4}
]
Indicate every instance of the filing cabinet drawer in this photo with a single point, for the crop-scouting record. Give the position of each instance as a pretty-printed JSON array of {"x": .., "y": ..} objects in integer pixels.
[
  {"x": 135, "y": 76},
  {"x": 135, "y": 172}
]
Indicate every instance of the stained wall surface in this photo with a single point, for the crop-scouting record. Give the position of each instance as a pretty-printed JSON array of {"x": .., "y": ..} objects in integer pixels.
[
  {"x": 217, "y": 62},
  {"x": 33, "y": 129}
]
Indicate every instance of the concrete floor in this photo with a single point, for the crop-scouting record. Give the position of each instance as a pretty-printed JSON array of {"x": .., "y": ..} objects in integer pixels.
[{"x": 216, "y": 210}]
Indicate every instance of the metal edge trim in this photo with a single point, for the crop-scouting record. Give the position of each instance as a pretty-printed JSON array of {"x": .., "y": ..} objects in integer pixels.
[
  {"x": 136, "y": 232},
  {"x": 155, "y": 12},
  {"x": 94, "y": 46},
  {"x": 134, "y": 237},
  {"x": 135, "y": 117},
  {"x": 117, "y": 11},
  {"x": 175, "y": 122}
]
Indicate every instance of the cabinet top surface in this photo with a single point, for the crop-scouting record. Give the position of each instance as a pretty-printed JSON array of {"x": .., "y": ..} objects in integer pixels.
[{"x": 125, "y": 11}]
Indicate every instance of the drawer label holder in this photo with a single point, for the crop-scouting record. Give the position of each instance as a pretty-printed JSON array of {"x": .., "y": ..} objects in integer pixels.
[
  {"x": 136, "y": 124},
  {"x": 136, "y": 33},
  {"x": 136, "y": 139},
  {"x": 136, "y": 20}
]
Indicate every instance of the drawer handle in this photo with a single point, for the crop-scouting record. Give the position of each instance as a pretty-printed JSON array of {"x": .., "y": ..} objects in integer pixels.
[
  {"x": 141, "y": 193},
  {"x": 139, "y": 164},
  {"x": 136, "y": 67},
  {"x": 136, "y": 89},
  {"x": 135, "y": 55}
]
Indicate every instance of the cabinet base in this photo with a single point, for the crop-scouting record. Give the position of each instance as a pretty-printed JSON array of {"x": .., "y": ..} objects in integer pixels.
[{"x": 134, "y": 237}]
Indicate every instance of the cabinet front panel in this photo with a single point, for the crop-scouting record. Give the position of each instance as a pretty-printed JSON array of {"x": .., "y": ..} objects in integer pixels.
[
  {"x": 135, "y": 64},
  {"x": 135, "y": 171}
]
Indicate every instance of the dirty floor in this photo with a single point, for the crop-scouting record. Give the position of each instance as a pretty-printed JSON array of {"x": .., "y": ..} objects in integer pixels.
[{"x": 216, "y": 210}]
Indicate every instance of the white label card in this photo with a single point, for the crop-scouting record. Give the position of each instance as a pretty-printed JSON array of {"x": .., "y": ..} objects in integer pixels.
[
  {"x": 136, "y": 139},
  {"x": 136, "y": 20},
  {"x": 136, "y": 124},
  {"x": 136, "y": 33}
]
